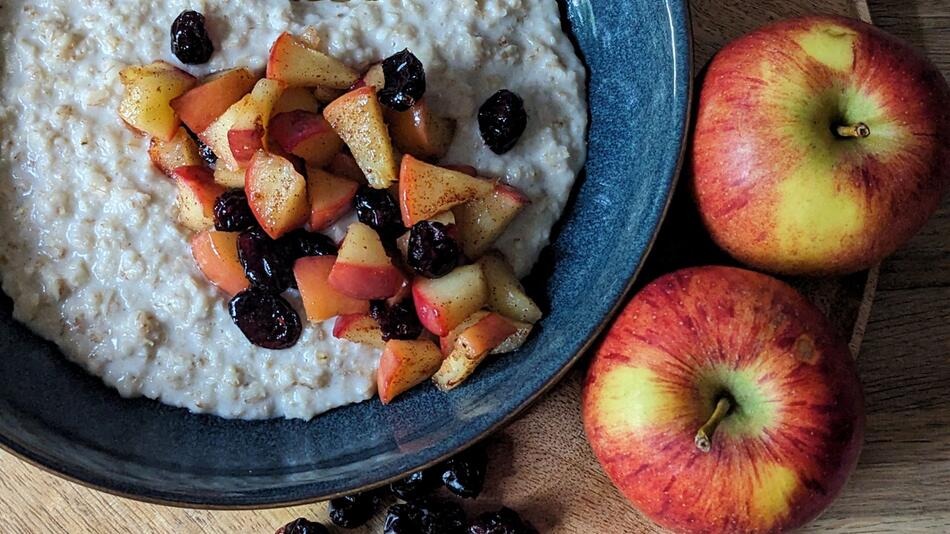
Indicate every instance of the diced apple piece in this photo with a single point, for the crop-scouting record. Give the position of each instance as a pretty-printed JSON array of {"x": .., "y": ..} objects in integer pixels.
[
  {"x": 404, "y": 365},
  {"x": 344, "y": 165},
  {"x": 217, "y": 256},
  {"x": 470, "y": 349},
  {"x": 331, "y": 197},
  {"x": 482, "y": 221},
  {"x": 359, "y": 328},
  {"x": 420, "y": 132},
  {"x": 443, "y": 303},
  {"x": 311, "y": 37},
  {"x": 296, "y": 99},
  {"x": 516, "y": 340},
  {"x": 228, "y": 178},
  {"x": 149, "y": 89},
  {"x": 298, "y": 65},
  {"x": 307, "y": 135},
  {"x": 511, "y": 344},
  {"x": 357, "y": 117},
  {"x": 243, "y": 124},
  {"x": 181, "y": 151},
  {"x": 320, "y": 300},
  {"x": 277, "y": 194},
  {"x": 464, "y": 169},
  {"x": 505, "y": 293},
  {"x": 197, "y": 192},
  {"x": 447, "y": 342},
  {"x": 325, "y": 95},
  {"x": 375, "y": 77},
  {"x": 199, "y": 107},
  {"x": 426, "y": 190},
  {"x": 363, "y": 270}
]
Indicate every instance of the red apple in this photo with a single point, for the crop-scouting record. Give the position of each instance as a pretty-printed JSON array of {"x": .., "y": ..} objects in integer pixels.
[
  {"x": 306, "y": 134},
  {"x": 359, "y": 328},
  {"x": 199, "y": 107},
  {"x": 443, "y": 303},
  {"x": 363, "y": 269},
  {"x": 426, "y": 190},
  {"x": 217, "y": 256},
  {"x": 821, "y": 145},
  {"x": 197, "y": 193},
  {"x": 320, "y": 300},
  {"x": 277, "y": 194},
  {"x": 331, "y": 197},
  {"x": 723, "y": 401},
  {"x": 404, "y": 365}
]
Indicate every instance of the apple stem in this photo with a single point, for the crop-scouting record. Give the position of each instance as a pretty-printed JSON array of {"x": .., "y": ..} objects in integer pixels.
[
  {"x": 704, "y": 436},
  {"x": 853, "y": 131}
]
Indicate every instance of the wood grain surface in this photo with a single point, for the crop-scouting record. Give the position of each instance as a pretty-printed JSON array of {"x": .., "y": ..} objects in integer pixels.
[{"x": 542, "y": 465}]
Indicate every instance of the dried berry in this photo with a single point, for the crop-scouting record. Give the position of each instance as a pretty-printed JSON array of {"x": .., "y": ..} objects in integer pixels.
[
  {"x": 416, "y": 485},
  {"x": 190, "y": 41},
  {"x": 232, "y": 212},
  {"x": 353, "y": 511},
  {"x": 302, "y": 526},
  {"x": 403, "y": 519},
  {"x": 206, "y": 153},
  {"x": 398, "y": 321},
  {"x": 504, "y": 521},
  {"x": 265, "y": 318},
  {"x": 377, "y": 209},
  {"x": 464, "y": 475},
  {"x": 502, "y": 119},
  {"x": 303, "y": 244},
  {"x": 405, "y": 81},
  {"x": 264, "y": 260},
  {"x": 432, "y": 251},
  {"x": 440, "y": 517}
]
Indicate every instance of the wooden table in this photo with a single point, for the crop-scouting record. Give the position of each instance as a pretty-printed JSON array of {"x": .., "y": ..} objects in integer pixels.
[{"x": 543, "y": 466}]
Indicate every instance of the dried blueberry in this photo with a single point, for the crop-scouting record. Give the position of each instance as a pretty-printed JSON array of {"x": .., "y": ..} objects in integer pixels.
[
  {"x": 405, "y": 81},
  {"x": 264, "y": 261},
  {"x": 403, "y": 519},
  {"x": 379, "y": 210},
  {"x": 397, "y": 321},
  {"x": 416, "y": 485},
  {"x": 464, "y": 475},
  {"x": 502, "y": 119},
  {"x": 504, "y": 521},
  {"x": 302, "y": 526},
  {"x": 232, "y": 212},
  {"x": 265, "y": 318},
  {"x": 190, "y": 41},
  {"x": 303, "y": 244},
  {"x": 206, "y": 153},
  {"x": 353, "y": 511},
  {"x": 440, "y": 517},
  {"x": 432, "y": 251}
]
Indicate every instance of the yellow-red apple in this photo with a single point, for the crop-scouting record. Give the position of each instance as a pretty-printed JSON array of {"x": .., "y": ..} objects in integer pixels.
[
  {"x": 723, "y": 401},
  {"x": 426, "y": 190},
  {"x": 443, "y": 303},
  {"x": 217, "y": 256},
  {"x": 420, "y": 132},
  {"x": 357, "y": 118},
  {"x": 197, "y": 193},
  {"x": 506, "y": 295},
  {"x": 404, "y": 365},
  {"x": 180, "y": 151},
  {"x": 821, "y": 145},
  {"x": 199, "y": 107},
  {"x": 149, "y": 89},
  {"x": 470, "y": 349},
  {"x": 331, "y": 197},
  {"x": 320, "y": 300},
  {"x": 295, "y": 63},
  {"x": 363, "y": 269},
  {"x": 306, "y": 134},
  {"x": 482, "y": 221},
  {"x": 359, "y": 328},
  {"x": 277, "y": 194}
]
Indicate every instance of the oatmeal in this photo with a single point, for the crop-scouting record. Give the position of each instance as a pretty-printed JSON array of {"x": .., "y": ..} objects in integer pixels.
[{"x": 90, "y": 251}]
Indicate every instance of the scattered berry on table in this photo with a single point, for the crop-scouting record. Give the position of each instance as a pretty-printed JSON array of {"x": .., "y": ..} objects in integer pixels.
[
  {"x": 398, "y": 321},
  {"x": 405, "y": 81},
  {"x": 502, "y": 119},
  {"x": 232, "y": 213},
  {"x": 464, "y": 475},
  {"x": 264, "y": 261},
  {"x": 265, "y": 318},
  {"x": 377, "y": 209},
  {"x": 190, "y": 41},
  {"x": 302, "y": 526},
  {"x": 504, "y": 521},
  {"x": 403, "y": 519},
  {"x": 432, "y": 251},
  {"x": 416, "y": 485},
  {"x": 440, "y": 517},
  {"x": 353, "y": 511}
]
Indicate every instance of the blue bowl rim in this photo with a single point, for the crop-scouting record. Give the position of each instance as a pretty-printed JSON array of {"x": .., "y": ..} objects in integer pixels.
[{"x": 91, "y": 481}]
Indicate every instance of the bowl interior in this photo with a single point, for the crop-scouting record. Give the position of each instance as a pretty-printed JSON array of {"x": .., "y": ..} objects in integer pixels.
[{"x": 51, "y": 413}]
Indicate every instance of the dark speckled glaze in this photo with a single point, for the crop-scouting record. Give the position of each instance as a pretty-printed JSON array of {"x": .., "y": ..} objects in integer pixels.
[{"x": 52, "y": 414}]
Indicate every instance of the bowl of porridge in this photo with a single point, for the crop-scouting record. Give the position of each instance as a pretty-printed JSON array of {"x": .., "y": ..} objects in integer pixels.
[{"x": 265, "y": 252}]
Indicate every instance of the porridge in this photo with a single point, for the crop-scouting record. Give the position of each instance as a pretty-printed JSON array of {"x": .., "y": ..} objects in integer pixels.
[{"x": 92, "y": 254}]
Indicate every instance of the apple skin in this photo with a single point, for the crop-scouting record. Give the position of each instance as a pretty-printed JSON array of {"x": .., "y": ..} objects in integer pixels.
[
  {"x": 779, "y": 458},
  {"x": 777, "y": 188}
]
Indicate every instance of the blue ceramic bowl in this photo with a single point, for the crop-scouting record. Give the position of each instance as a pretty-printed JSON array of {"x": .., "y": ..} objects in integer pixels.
[{"x": 52, "y": 414}]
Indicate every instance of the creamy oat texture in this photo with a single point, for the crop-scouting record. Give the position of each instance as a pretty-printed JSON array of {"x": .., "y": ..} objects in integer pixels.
[{"x": 89, "y": 248}]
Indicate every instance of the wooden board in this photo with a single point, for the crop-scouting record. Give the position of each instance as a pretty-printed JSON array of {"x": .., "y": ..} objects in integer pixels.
[{"x": 542, "y": 464}]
